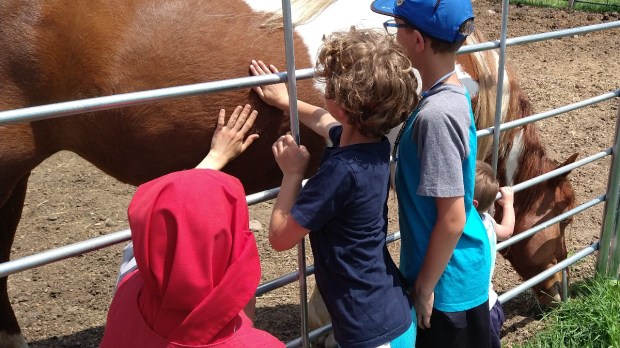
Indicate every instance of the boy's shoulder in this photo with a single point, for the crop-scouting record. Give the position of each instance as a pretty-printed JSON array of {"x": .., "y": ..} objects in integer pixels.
[{"x": 446, "y": 103}]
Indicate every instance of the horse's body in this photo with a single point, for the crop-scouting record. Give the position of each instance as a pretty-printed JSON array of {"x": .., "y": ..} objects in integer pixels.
[{"x": 60, "y": 50}]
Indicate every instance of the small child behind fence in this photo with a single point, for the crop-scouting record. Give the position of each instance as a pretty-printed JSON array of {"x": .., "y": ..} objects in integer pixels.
[{"x": 485, "y": 192}]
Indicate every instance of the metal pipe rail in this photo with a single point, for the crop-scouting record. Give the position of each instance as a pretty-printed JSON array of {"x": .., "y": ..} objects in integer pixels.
[
  {"x": 550, "y": 113},
  {"x": 559, "y": 171},
  {"x": 512, "y": 293},
  {"x": 79, "y": 248},
  {"x": 75, "y": 107},
  {"x": 64, "y": 252},
  {"x": 291, "y": 277},
  {"x": 520, "y": 40},
  {"x": 528, "y": 233}
]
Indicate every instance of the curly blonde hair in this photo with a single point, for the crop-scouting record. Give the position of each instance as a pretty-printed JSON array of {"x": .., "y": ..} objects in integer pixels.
[{"x": 368, "y": 74}]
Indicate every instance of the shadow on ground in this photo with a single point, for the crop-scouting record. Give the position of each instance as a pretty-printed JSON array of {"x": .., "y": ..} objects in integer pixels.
[{"x": 89, "y": 338}]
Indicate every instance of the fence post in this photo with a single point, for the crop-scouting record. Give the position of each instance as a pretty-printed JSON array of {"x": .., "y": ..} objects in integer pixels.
[
  {"x": 501, "y": 71},
  {"x": 609, "y": 254},
  {"x": 292, "y": 87}
]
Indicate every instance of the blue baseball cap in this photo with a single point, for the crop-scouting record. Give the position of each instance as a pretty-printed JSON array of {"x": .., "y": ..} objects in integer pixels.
[{"x": 440, "y": 19}]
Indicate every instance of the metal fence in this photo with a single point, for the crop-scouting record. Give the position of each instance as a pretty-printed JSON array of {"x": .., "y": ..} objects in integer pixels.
[{"x": 608, "y": 258}]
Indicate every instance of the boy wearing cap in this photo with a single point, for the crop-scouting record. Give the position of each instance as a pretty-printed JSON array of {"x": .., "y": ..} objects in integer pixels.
[{"x": 444, "y": 251}]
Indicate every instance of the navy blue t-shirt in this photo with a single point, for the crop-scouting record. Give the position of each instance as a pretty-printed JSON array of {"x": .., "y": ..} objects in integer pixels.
[{"x": 344, "y": 205}]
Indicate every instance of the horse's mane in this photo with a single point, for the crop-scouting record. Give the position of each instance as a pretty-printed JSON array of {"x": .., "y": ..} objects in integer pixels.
[
  {"x": 303, "y": 11},
  {"x": 515, "y": 104}
]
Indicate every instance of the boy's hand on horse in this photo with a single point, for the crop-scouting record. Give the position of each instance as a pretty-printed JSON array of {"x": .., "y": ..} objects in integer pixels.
[
  {"x": 229, "y": 139},
  {"x": 275, "y": 94}
]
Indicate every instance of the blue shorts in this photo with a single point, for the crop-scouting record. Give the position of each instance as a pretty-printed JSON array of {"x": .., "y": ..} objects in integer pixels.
[{"x": 497, "y": 320}]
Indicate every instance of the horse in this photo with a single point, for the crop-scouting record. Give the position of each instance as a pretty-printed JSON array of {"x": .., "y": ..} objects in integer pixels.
[{"x": 61, "y": 50}]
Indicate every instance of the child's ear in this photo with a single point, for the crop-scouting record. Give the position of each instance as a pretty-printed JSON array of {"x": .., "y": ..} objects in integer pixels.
[
  {"x": 419, "y": 42},
  {"x": 475, "y": 203}
]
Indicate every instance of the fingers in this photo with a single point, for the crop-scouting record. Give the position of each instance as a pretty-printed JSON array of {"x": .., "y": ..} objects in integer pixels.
[
  {"x": 233, "y": 117},
  {"x": 278, "y": 147},
  {"x": 248, "y": 141},
  {"x": 241, "y": 120},
  {"x": 220, "y": 119},
  {"x": 241, "y": 115},
  {"x": 246, "y": 122},
  {"x": 260, "y": 68},
  {"x": 283, "y": 142},
  {"x": 507, "y": 193},
  {"x": 506, "y": 189},
  {"x": 420, "y": 319},
  {"x": 424, "y": 322}
]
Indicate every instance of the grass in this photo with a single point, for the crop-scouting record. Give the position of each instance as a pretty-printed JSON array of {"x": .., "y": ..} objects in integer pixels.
[
  {"x": 582, "y": 5},
  {"x": 590, "y": 319}
]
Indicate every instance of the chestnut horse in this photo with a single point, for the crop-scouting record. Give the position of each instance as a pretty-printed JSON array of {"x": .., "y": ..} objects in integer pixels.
[{"x": 61, "y": 50}]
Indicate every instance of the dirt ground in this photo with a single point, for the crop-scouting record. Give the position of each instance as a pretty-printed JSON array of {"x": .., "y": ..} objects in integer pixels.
[{"x": 64, "y": 304}]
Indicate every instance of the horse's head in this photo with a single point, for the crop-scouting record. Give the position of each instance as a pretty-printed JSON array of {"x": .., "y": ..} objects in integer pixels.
[{"x": 547, "y": 247}]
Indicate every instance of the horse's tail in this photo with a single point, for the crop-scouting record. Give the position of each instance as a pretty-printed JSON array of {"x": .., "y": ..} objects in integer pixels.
[{"x": 515, "y": 104}]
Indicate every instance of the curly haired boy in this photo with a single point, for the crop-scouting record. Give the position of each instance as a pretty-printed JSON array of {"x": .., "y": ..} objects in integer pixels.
[{"x": 369, "y": 89}]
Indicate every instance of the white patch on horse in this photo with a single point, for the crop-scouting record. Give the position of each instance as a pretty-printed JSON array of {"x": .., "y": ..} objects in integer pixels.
[
  {"x": 514, "y": 156},
  {"x": 339, "y": 16},
  {"x": 264, "y": 5},
  {"x": 505, "y": 91},
  {"x": 470, "y": 84}
]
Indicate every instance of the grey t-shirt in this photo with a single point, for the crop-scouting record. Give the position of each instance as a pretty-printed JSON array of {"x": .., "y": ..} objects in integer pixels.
[{"x": 441, "y": 132}]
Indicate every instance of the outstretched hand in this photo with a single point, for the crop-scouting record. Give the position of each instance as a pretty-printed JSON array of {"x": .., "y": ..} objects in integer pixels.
[
  {"x": 275, "y": 94},
  {"x": 229, "y": 139}
]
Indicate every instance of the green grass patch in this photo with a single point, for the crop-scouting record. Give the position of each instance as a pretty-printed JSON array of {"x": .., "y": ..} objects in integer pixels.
[
  {"x": 585, "y": 5},
  {"x": 590, "y": 319}
]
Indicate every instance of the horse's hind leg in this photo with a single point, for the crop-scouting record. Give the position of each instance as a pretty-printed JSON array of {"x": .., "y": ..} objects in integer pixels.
[{"x": 10, "y": 213}]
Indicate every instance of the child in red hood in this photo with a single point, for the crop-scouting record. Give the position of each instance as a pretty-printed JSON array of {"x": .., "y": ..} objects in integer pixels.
[{"x": 197, "y": 261}]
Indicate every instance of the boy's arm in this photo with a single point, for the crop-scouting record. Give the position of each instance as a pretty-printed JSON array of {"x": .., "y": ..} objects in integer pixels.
[
  {"x": 229, "y": 140},
  {"x": 504, "y": 230},
  {"x": 313, "y": 117},
  {"x": 444, "y": 237},
  {"x": 284, "y": 231}
]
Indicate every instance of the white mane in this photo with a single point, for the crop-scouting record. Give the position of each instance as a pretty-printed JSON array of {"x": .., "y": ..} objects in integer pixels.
[{"x": 315, "y": 18}]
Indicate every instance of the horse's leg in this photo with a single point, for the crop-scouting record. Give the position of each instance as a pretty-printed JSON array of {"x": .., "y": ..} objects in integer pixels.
[
  {"x": 22, "y": 147},
  {"x": 10, "y": 213},
  {"x": 318, "y": 316}
]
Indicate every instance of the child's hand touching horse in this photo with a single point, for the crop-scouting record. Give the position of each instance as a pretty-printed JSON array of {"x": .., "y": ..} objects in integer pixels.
[
  {"x": 229, "y": 140},
  {"x": 275, "y": 94}
]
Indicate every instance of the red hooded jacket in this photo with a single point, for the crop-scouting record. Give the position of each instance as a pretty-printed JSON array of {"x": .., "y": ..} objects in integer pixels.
[{"x": 198, "y": 266}]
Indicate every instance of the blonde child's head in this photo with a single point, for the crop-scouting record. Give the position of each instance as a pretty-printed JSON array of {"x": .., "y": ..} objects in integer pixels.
[
  {"x": 368, "y": 74},
  {"x": 486, "y": 186}
]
